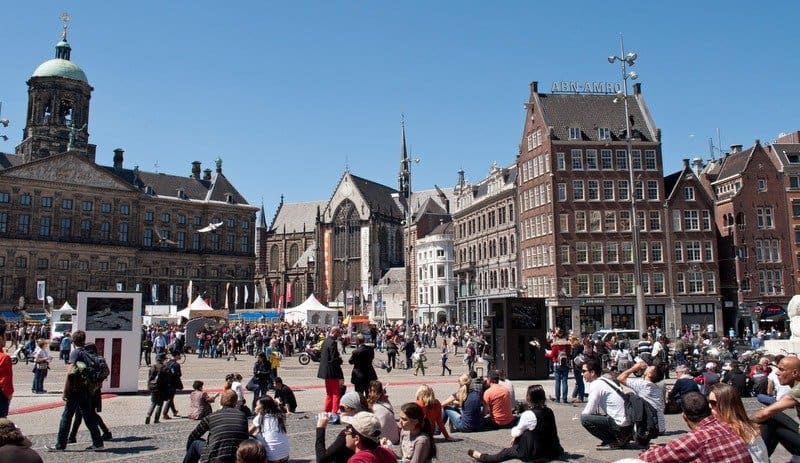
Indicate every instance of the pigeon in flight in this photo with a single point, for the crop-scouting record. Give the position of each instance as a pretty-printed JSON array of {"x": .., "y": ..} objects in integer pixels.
[
  {"x": 162, "y": 240},
  {"x": 210, "y": 227}
]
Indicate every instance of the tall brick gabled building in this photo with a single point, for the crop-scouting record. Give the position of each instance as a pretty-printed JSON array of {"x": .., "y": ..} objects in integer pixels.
[
  {"x": 751, "y": 214},
  {"x": 575, "y": 219}
]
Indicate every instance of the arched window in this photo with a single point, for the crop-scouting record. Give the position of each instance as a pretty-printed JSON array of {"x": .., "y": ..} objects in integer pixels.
[
  {"x": 274, "y": 254},
  {"x": 293, "y": 255}
]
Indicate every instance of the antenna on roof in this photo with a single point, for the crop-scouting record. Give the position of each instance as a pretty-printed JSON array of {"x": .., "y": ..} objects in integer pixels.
[
  {"x": 155, "y": 164},
  {"x": 712, "y": 149},
  {"x": 346, "y": 163}
]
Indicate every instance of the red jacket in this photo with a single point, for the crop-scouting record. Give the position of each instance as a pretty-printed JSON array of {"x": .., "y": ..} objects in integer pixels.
[
  {"x": 557, "y": 348},
  {"x": 6, "y": 375}
]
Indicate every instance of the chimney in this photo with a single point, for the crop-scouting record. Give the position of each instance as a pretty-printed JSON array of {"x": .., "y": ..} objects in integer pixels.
[
  {"x": 207, "y": 174},
  {"x": 736, "y": 148},
  {"x": 196, "y": 170},
  {"x": 685, "y": 163},
  {"x": 637, "y": 88},
  {"x": 534, "y": 87},
  {"x": 697, "y": 165},
  {"x": 118, "y": 156}
]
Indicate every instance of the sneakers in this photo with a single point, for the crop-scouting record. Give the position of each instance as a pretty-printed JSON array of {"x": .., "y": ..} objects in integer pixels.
[
  {"x": 106, "y": 436},
  {"x": 53, "y": 448},
  {"x": 334, "y": 419}
]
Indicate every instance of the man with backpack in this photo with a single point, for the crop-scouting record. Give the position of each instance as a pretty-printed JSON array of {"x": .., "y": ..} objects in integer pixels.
[
  {"x": 647, "y": 387},
  {"x": 79, "y": 390},
  {"x": 613, "y": 427}
]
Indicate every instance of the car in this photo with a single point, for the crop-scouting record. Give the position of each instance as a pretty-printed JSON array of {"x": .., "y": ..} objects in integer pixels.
[{"x": 633, "y": 337}]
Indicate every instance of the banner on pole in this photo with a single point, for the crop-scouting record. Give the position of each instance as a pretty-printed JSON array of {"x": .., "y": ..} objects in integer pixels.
[{"x": 40, "y": 290}]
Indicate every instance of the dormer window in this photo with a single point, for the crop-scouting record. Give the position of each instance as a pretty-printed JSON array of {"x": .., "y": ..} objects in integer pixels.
[
  {"x": 182, "y": 194},
  {"x": 574, "y": 133},
  {"x": 229, "y": 198},
  {"x": 149, "y": 190},
  {"x": 604, "y": 133}
]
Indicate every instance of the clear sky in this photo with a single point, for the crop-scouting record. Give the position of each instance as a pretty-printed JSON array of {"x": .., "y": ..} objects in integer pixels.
[{"x": 290, "y": 93}]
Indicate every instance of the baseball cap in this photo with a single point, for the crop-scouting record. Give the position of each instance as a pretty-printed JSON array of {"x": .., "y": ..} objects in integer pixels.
[{"x": 366, "y": 425}]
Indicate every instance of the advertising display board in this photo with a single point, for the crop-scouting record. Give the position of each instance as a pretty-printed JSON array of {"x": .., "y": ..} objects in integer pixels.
[{"x": 112, "y": 321}]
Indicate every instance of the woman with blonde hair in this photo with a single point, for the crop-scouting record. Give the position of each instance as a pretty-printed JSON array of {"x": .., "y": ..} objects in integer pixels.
[
  {"x": 432, "y": 408},
  {"x": 726, "y": 405}
]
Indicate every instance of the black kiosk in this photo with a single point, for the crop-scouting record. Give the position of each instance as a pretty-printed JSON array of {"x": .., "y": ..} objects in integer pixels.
[{"x": 511, "y": 327}]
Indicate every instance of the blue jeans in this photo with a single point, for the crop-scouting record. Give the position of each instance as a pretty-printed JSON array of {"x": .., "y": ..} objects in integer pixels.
[
  {"x": 561, "y": 375},
  {"x": 454, "y": 417},
  {"x": 84, "y": 404},
  {"x": 38, "y": 379},
  {"x": 766, "y": 399},
  {"x": 580, "y": 386}
]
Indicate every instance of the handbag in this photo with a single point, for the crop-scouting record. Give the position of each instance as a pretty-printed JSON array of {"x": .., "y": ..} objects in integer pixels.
[
  {"x": 42, "y": 365},
  {"x": 252, "y": 385}
]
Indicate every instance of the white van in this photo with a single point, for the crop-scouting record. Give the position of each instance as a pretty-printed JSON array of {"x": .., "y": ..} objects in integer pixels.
[
  {"x": 61, "y": 321},
  {"x": 633, "y": 337}
]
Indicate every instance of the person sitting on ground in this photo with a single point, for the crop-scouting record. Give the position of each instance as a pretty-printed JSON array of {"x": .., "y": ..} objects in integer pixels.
[
  {"x": 200, "y": 402},
  {"x": 726, "y": 405},
  {"x": 285, "y": 396},
  {"x": 648, "y": 387},
  {"x": 733, "y": 375},
  {"x": 426, "y": 399},
  {"x": 416, "y": 438},
  {"x": 612, "y": 426},
  {"x": 775, "y": 390},
  {"x": 269, "y": 428},
  {"x": 776, "y": 426},
  {"x": 709, "y": 439},
  {"x": 535, "y": 437},
  {"x": 497, "y": 405},
  {"x": 362, "y": 436},
  {"x": 470, "y": 417},
  {"x": 378, "y": 401},
  {"x": 338, "y": 452},
  {"x": 251, "y": 451},
  {"x": 683, "y": 385},
  {"x": 226, "y": 428},
  {"x": 14, "y": 446}
]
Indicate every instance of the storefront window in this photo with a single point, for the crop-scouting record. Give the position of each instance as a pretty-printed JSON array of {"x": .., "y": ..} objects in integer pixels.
[
  {"x": 622, "y": 317},
  {"x": 563, "y": 318},
  {"x": 591, "y": 319}
]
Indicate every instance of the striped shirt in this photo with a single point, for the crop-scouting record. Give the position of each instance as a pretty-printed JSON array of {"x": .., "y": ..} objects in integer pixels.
[{"x": 226, "y": 428}]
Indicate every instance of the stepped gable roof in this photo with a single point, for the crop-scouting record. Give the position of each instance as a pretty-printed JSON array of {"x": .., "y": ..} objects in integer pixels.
[
  {"x": 590, "y": 112},
  {"x": 8, "y": 160},
  {"x": 377, "y": 195},
  {"x": 734, "y": 163},
  {"x": 297, "y": 217}
]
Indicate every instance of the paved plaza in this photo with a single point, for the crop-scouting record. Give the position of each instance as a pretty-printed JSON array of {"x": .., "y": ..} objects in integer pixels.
[{"x": 133, "y": 441}]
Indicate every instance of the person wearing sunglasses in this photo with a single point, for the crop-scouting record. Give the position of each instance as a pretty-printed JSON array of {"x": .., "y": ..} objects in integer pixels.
[
  {"x": 362, "y": 436},
  {"x": 338, "y": 452},
  {"x": 726, "y": 405},
  {"x": 708, "y": 439}
]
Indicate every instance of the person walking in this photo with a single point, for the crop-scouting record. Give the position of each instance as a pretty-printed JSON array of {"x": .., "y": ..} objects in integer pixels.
[
  {"x": 175, "y": 384},
  {"x": 146, "y": 350},
  {"x": 408, "y": 348},
  {"x": 444, "y": 362},
  {"x": 330, "y": 370},
  {"x": 157, "y": 384},
  {"x": 391, "y": 351},
  {"x": 261, "y": 378},
  {"x": 419, "y": 358},
  {"x": 78, "y": 393},
  {"x": 64, "y": 347},
  {"x": 363, "y": 371}
]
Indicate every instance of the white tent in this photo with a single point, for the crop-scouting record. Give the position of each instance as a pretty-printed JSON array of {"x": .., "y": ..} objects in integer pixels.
[
  {"x": 199, "y": 308},
  {"x": 66, "y": 306},
  {"x": 312, "y": 312}
]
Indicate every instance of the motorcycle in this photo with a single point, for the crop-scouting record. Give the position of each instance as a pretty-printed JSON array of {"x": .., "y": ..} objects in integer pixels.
[
  {"x": 309, "y": 353},
  {"x": 21, "y": 354}
]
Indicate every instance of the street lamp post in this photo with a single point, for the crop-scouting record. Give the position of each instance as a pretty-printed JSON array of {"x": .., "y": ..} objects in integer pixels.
[{"x": 626, "y": 60}]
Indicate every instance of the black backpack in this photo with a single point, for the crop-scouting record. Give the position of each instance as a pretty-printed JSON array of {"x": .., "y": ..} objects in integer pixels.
[
  {"x": 95, "y": 370},
  {"x": 639, "y": 412}
]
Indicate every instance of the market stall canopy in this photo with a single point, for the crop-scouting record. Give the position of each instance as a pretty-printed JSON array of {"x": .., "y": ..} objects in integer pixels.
[
  {"x": 66, "y": 306},
  {"x": 312, "y": 312}
]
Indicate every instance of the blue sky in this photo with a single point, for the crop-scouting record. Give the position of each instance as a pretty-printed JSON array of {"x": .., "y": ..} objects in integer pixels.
[{"x": 290, "y": 93}]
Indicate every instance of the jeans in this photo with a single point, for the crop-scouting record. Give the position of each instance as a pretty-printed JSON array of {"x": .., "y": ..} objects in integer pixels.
[
  {"x": 73, "y": 404},
  {"x": 38, "y": 379},
  {"x": 580, "y": 387},
  {"x": 4, "y": 404},
  {"x": 561, "y": 375},
  {"x": 781, "y": 429},
  {"x": 156, "y": 403},
  {"x": 604, "y": 428},
  {"x": 766, "y": 399},
  {"x": 452, "y": 415},
  {"x": 194, "y": 451}
]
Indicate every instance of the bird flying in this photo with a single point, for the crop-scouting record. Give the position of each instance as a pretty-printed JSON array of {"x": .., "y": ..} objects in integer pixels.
[
  {"x": 210, "y": 227},
  {"x": 163, "y": 240}
]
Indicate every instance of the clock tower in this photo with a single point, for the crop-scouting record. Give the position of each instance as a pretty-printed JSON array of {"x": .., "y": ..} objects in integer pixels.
[{"x": 58, "y": 107}]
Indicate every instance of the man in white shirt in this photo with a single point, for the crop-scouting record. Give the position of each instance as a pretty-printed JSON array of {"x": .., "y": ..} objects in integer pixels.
[
  {"x": 604, "y": 414},
  {"x": 648, "y": 388}
]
